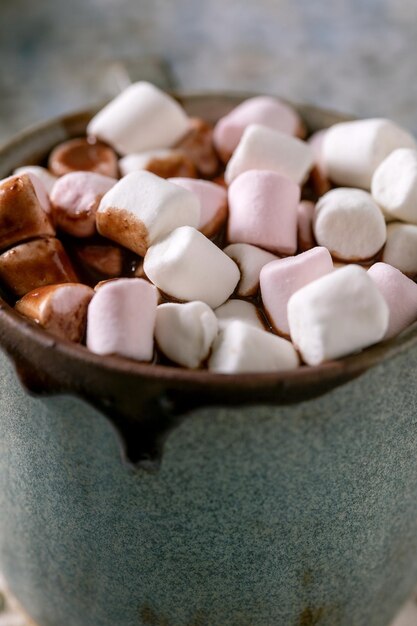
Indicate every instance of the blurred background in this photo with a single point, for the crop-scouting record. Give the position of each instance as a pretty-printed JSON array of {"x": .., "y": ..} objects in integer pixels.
[{"x": 356, "y": 56}]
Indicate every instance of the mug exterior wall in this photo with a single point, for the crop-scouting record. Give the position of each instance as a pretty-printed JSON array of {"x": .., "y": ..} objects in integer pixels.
[{"x": 258, "y": 516}]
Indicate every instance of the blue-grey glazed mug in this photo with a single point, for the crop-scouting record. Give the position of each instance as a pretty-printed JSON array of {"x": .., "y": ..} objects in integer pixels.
[{"x": 142, "y": 495}]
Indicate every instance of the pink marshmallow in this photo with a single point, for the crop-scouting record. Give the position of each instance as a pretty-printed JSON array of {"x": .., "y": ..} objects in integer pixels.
[
  {"x": 75, "y": 198},
  {"x": 263, "y": 211},
  {"x": 280, "y": 279},
  {"x": 319, "y": 176},
  {"x": 305, "y": 214},
  {"x": 263, "y": 110},
  {"x": 213, "y": 203},
  {"x": 400, "y": 293}
]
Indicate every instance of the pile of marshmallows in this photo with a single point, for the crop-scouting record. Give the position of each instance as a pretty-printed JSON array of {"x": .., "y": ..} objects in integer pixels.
[{"x": 306, "y": 260}]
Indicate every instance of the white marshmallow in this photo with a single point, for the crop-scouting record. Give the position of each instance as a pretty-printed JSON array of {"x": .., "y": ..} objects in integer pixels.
[
  {"x": 47, "y": 179},
  {"x": 352, "y": 151},
  {"x": 240, "y": 310},
  {"x": 240, "y": 348},
  {"x": 401, "y": 248},
  {"x": 250, "y": 260},
  {"x": 188, "y": 266},
  {"x": 140, "y": 161},
  {"x": 336, "y": 315},
  {"x": 141, "y": 118},
  {"x": 121, "y": 319},
  {"x": 262, "y": 148},
  {"x": 394, "y": 185},
  {"x": 185, "y": 332},
  {"x": 142, "y": 208},
  {"x": 349, "y": 224},
  {"x": 164, "y": 163}
]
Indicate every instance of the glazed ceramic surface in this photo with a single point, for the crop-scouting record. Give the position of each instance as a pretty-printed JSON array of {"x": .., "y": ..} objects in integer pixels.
[{"x": 254, "y": 501}]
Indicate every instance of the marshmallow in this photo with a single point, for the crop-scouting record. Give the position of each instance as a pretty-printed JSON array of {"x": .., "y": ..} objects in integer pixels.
[
  {"x": 261, "y": 148},
  {"x": 60, "y": 309},
  {"x": 241, "y": 348},
  {"x": 121, "y": 319},
  {"x": 250, "y": 260},
  {"x": 400, "y": 294},
  {"x": 394, "y": 185},
  {"x": 305, "y": 216},
  {"x": 240, "y": 310},
  {"x": 401, "y": 248},
  {"x": 47, "y": 179},
  {"x": 75, "y": 198},
  {"x": 142, "y": 208},
  {"x": 282, "y": 278},
  {"x": 336, "y": 315},
  {"x": 83, "y": 155},
  {"x": 163, "y": 163},
  {"x": 35, "y": 264},
  {"x": 188, "y": 266},
  {"x": 185, "y": 332},
  {"x": 21, "y": 214},
  {"x": 101, "y": 259},
  {"x": 349, "y": 223},
  {"x": 270, "y": 112},
  {"x": 141, "y": 118},
  {"x": 213, "y": 203},
  {"x": 263, "y": 211},
  {"x": 318, "y": 176},
  {"x": 197, "y": 145},
  {"x": 352, "y": 151}
]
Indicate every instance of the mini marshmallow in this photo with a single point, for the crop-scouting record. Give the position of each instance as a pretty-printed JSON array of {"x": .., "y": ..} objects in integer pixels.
[
  {"x": 352, "y": 151},
  {"x": 188, "y": 266},
  {"x": 250, "y": 260},
  {"x": 263, "y": 211},
  {"x": 83, "y": 155},
  {"x": 101, "y": 259},
  {"x": 35, "y": 264},
  {"x": 394, "y": 185},
  {"x": 400, "y": 294},
  {"x": 319, "y": 176},
  {"x": 75, "y": 198},
  {"x": 197, "y": 145},
  {"x": 350, "y": 224},
  {"x": 270, "y": 112},
  {"x": 401, "y": 248},
  {"x": 141, "y": 118},
  {"x": 213, "y": 203},
  {"x": 40, "y": 191},
  {"x": 47, "y": 179},
  {"x": 60, "y": 309},
  {"x": 185, "y": 332},
  {"x": 282, "y": 278},
  {"x": 164, "y": 163},
  {"x": 262, "y": 148},
  {"x": 240, "y": 310},
  {"x": 305, "y": 216},
  {"x": 21, "y": 214},
  {"x": 241, "y": 348},
  {"x": 121, "y": 319},
  {"x": 336, "y": 315},
  {"x": 142, "y": 208}
]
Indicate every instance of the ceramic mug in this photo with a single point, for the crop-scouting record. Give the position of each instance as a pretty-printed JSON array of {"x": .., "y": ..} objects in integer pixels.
[{"x": 142, "y": 495}]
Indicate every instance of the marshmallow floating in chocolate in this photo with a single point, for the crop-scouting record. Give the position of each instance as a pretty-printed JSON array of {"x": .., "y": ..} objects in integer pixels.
[
  {"x": 188, "y": 266},
  {"x": 83, "y": 155},
  {"x": 336, "y": 315},
  {"x": 164, "y": 163},
  {"x": 250, "y": 260},
  {"x": 185, "y": 332},
  {"x": 240, "y": 310},
  {"x": 142, "y": 208},
  {"x": 400, "y": 294},
  {"x": 394, "y": 185},
  {"x": 60, "y": 309},
  {"x": 75, "y": 198},
  {"x": 352, "y": 151},
  {"x": 197, "y": 145},
  {"x": 262, "y": 148},
  {"x": 350, "y": 224},
  {"x": 240, "y": 348},
  {"x": 282, "y": 278},
  {"x": 263, "y": 211},
  {"x": 141, "y": 118},
  {"x": 47, "y": 179},
  {"x": 121, "y": 319},
  {"x": 401, "y": 248},
  {"x": 270, "y": 112}
]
